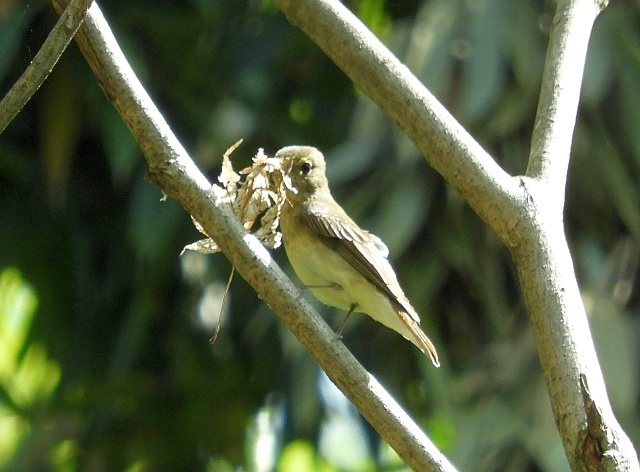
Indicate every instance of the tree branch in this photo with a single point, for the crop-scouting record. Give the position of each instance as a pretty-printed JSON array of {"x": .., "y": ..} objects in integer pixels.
[
  {"x": 176, "y": 174},
  {"x": 447, "y": 146},
  {"x": 525, "y": 212},
  {"x": 560, "y": 94},
  {"x": 544, "y": 263},
  {"x": 42, "y": 65}
]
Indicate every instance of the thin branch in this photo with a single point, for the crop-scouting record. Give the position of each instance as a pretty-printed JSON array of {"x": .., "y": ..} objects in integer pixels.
[
  {"x": 173, "y": 170},
  {"x": 42, "y": 65},
  {"x": 445, "y": 144},
  {"x": 560, "y": 94}
]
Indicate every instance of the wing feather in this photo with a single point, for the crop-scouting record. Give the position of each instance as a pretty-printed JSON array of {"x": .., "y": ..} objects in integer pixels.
[
  {"x": 368, "y": 255},
  {"x": 364, "y": 251}
]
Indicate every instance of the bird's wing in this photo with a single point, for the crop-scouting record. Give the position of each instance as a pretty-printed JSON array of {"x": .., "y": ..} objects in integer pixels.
[
  {"x": 368, "y": 255},
  {"x": 363, "y": 250}
]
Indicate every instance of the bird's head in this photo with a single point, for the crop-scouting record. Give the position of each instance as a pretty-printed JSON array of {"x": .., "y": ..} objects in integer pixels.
[{"x": 306, "y": 169}]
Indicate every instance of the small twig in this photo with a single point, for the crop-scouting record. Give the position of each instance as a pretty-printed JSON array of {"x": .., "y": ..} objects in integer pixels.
[
  {"x": 42, "y": 65},
  {"x": 225, "y": 297}
]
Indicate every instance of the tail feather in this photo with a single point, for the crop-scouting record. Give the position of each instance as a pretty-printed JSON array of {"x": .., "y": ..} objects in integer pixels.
[{"x": 420, "y": 339}]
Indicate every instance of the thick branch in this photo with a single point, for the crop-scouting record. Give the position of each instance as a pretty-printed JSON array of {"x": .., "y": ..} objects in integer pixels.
[
  {"x": 42, "y": 65},
  {"x": 446, "y": 145},
  {"x": 559, "y": 323},
  {"x": 544, "y": 264},
  {"x": 173, "y": 170}
]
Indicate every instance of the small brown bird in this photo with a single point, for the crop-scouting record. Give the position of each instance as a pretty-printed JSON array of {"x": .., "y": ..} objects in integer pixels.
[{"x": 343, "y": 265}]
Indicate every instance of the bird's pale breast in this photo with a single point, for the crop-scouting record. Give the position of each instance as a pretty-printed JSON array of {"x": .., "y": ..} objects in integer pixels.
[{"x": 331, "y": 278}]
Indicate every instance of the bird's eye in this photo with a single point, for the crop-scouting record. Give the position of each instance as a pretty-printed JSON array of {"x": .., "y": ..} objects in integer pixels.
[{"x": 306, "y": 168}]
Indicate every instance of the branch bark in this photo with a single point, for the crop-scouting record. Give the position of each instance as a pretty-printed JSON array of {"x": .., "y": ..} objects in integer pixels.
[
  {"x": 176, "y": 174},
  {"x": 544, "y": 263},
  {"x": 524, "y": 211},
  {"x": 44, "y": 62}
]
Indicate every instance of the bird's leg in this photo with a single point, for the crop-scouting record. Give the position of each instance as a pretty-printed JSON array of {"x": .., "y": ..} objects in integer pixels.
[
  {"x": 344, "y": 323},
  {"x": 333, "y": 286}
]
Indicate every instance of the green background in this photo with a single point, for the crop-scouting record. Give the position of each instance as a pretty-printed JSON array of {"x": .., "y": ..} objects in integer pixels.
[{"x": 105, "y": 362}]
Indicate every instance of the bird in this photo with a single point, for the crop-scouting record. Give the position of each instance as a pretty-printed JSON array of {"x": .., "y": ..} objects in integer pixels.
[{"x": 342, "y": 264}]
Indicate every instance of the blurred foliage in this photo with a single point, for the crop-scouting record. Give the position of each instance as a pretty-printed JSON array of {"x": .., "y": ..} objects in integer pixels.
[
  {"x": 105, "y": 363},
  {"x": 27, "y": 378}
]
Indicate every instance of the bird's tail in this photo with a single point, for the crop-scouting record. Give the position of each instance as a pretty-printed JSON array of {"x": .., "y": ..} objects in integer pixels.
[{"x": 419, "y": 338}]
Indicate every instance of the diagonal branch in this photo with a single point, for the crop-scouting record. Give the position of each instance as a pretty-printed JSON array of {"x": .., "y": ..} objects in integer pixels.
[
  {"x": 446, "y": 145},
  {"x": 176, "y": 174},
  {"x": 42, "y": 65}
]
